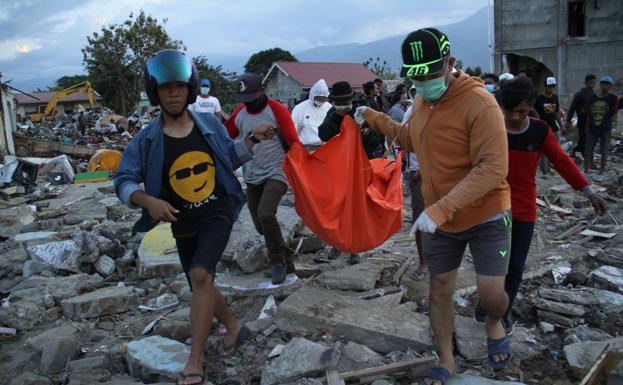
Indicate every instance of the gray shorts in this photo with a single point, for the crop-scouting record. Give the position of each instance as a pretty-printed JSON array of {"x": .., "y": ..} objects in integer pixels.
[
  {"x": 593, "y": 139},
  {"x": 489, "y": 243}
]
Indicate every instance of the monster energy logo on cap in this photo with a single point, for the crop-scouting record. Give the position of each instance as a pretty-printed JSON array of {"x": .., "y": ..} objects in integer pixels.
[
  {"x": 416, "y": 49},
  {"x": 424, "y": 51}
]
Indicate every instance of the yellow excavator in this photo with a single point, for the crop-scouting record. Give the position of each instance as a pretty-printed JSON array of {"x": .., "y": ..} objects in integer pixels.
[{"x": 50, "y": 109}]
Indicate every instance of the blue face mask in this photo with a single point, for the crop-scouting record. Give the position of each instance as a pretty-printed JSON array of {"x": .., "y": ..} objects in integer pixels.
[
  {"x": 490, "y": 87},
  {"x": 431, "y": 90},
  {"x": 205, "y": 90}
]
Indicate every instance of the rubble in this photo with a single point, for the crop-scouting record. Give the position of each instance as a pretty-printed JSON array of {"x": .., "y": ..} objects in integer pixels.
[
  {"x": 100, "y": 302},
  {"x": 300, "y": 358},
  {"x": 87, "y": 300},
  {"x": 155, "y": 358},
  {"x": 379, "y": 327},
  {"x": 358, "y": 277}
]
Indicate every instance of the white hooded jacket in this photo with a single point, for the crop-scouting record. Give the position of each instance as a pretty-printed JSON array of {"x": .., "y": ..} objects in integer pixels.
[{"x": 307, "y": 116}]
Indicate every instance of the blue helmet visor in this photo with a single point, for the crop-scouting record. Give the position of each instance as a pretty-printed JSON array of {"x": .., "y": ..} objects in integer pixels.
[{"x": 170, "y": 66}]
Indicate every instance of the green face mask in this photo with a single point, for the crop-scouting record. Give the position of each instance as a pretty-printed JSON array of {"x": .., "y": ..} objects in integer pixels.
[
  {"x": 431, "y": 90},
  {"x": 347, "y": 107}
]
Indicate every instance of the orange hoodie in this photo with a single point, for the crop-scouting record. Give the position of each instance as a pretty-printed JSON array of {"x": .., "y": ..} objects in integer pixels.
[{"x": 460, "y": 143}]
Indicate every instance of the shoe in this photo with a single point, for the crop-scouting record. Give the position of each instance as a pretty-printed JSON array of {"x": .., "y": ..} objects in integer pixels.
[
  {"x": 508, "y": 326},
  {"x": 354, "y": 259},
  {"x": 334, "y": 253},
  {"x": 290, "y": 268},
  {"x": 278, "y": 273}
]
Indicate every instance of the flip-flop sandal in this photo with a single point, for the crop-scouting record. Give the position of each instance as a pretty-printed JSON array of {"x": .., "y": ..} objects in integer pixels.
[
  {"x": 243, "y": 335},
  {"x": 496, "y": 348},
  {"x": 437, "y": 373},
  {"x": 182, "y": 376}
]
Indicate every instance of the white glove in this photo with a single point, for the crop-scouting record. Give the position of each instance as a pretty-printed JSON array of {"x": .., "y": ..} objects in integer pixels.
[
  {"x": 359, "y": 118},
  {"x": 424, "y": 223}
]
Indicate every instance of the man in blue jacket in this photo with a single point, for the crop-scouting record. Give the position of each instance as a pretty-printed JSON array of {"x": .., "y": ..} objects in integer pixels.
[{"x": 185, "y": 161}]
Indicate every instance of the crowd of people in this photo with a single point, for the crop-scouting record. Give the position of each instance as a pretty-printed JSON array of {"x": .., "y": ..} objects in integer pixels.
[{"x": 474, "y": 147}]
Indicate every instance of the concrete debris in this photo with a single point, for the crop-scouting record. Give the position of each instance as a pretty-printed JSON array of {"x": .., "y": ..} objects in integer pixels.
[
  {"x": 156, "y": 358},
  {"x": 57, "y": 351},
  {"x": 255, "y": 284},
  {"x": 609, "y": 276},
  {"x": 379, "y": 327},
  {"x": 586, "y": 296},
  {"x": 470, "y": 380},
  {"x": 111, "y": 300},
  {"x": 30, "y": 379},
  {"x": 299, "y": 358},
  {"x": 105, "y": 265},
  {"x": 581, "y": 355},
  {"x": 360, "y": 277},
  {"x": 560, "y": 308}
]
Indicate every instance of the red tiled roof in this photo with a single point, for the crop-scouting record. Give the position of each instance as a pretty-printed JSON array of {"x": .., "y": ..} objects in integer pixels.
[
  {"x": 308, "y": 73},
  {"x": 44, "y": 97}
]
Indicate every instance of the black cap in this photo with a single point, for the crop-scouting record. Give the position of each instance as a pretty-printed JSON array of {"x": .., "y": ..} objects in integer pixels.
[
  {"x": 341, "y": 91},
  {"x": 247, "y": 86},
  {"x": 423, "y": 52}
]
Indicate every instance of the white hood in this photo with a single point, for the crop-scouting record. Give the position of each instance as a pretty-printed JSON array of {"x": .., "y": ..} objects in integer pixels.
[{"x": 319, "y": 89}]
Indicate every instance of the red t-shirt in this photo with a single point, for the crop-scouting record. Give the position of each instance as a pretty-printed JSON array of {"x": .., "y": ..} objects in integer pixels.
[{"x": 524, "y": 151}]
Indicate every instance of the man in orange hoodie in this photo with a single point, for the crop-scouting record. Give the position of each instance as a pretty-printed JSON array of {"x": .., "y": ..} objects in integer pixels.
[{"x": 459, "y": 137}]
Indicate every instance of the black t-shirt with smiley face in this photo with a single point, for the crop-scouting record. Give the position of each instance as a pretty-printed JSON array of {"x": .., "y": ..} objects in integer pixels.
[{"x": 190, "y": 183}]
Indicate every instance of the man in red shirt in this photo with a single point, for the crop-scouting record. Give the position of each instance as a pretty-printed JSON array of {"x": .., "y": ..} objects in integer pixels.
[{"x": 528, "y": 139}]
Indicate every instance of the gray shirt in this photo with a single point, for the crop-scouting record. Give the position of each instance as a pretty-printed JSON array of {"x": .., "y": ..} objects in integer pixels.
[{"x": 268, "y": 155}]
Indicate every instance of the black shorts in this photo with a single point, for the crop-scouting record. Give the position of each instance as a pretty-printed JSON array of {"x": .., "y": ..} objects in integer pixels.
[{"x": 205, "y": 248}]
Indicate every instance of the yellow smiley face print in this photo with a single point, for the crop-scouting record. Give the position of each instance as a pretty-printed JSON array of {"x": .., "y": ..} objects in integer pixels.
[{"x": 192, "y": 176}]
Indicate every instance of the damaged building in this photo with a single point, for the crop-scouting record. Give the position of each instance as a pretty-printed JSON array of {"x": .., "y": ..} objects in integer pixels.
[{"x": 565, "y": 39}]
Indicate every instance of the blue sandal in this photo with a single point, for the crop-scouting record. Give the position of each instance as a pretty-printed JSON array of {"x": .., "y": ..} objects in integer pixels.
[
  {"x": 496, "y": 348},
  {"x": 436, "y": 373}
]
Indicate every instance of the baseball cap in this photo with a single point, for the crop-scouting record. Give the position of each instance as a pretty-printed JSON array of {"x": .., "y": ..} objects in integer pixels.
[
  {"x": 606, "y": 79},
  {"x": 550, "y": 81},
  {"x": 247, "y": 86},
  {"x": 205, "y": 82},
  {"x": 423, "y": 52}
]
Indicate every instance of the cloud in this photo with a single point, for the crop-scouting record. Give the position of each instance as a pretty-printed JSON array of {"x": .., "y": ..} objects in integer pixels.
[{"x": 12, "y": 48}]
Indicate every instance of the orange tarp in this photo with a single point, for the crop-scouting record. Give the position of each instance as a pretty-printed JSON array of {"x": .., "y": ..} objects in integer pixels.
[
  {"x": 352, "y": 203},
  {"x": 105, "y": 160}
]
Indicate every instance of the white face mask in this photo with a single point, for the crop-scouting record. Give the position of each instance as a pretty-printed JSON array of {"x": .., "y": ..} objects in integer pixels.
[{"x": 318, "y": 104}]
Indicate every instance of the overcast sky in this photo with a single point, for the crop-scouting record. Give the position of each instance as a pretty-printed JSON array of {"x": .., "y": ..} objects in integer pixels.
[{"x": 41, "y": 40}]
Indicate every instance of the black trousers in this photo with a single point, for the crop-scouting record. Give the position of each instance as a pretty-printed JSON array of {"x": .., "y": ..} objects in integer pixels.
[{"x": 521, "y": 237}]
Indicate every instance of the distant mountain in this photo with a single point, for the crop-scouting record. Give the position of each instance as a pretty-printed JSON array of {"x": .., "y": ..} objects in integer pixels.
[{"x": 470, "y": 43}]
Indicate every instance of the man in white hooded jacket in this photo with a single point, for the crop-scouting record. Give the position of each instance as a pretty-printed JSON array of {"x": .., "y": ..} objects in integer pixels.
[{"x": 309, "y": 114}]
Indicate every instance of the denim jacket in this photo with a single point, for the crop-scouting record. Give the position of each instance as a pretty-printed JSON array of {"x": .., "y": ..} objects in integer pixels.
[{"x": 143, "y": 160}]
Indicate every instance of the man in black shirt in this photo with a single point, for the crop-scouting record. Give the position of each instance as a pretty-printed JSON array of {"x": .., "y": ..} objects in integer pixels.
[
  {"x": 602, "y": 111},
  {"x": 548, "y": 108},
  {"x": 579, "y": 106}
]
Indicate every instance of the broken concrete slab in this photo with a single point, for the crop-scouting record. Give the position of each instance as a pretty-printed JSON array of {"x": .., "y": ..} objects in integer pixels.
[
  {"x": 62, "y": 255},
  {"x": 581, "y": 355},
  {"x": 35, "y": 235},
  {"x": 299, "y": 358},
  {"x": 609, "y": 276},
  {"x": 470, "y": 338},
  {"x": 32, "y": 267},
  {"x": 155, "y": 358},
  {"x": 39, "y": 341},
  {"x": 253, "y": 259},
  {"x": 356, "y": 356},
  {"x": 57, "y": 351},
  {"x": 379, "y": 327},
  {"x": 558, "y": 307},
  {"x": 255, "y": 285},
  {"x": 111, "y": 300},
  {"x": 586, "y": 296},
  {"x": 157, "y": 254},
  {"x": 360, "y": 277}
]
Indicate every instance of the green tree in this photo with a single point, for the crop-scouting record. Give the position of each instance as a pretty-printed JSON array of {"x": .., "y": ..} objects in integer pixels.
[
  {"x": 381, "y": 69},
  {"x": 260, "y": 62},
  {"x": 114, "y": 58},
  {"x": 223, "y": 82},
  {"x": 68, "y": 81}
]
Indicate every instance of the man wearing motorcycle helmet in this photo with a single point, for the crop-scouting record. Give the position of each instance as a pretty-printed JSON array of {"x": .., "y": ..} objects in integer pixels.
[{"x": 185, "y": 161}]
